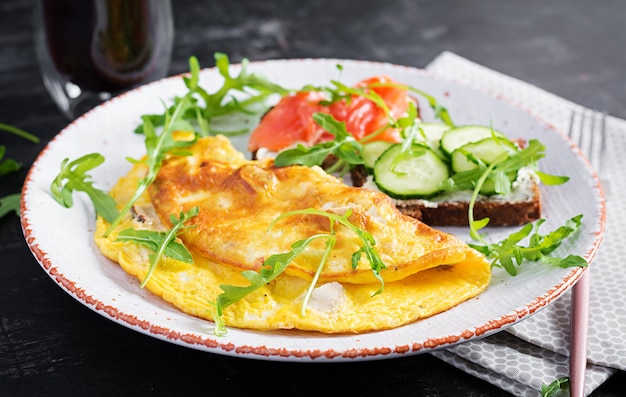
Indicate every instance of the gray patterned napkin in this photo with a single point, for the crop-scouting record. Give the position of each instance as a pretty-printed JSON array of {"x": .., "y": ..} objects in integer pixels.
[{"x": 535, "y": 350}]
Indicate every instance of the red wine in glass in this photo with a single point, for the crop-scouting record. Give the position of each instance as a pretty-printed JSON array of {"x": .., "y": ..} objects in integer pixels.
[{"x": 89, "y": 50}]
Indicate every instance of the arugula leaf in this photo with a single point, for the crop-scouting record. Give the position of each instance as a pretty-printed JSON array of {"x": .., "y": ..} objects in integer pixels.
[
  {"x": 161, "y": 243},
  {"x": 551, "y": 180},
  {"x": 367, "y": 240},
  {"x": 157, "y": 148},
  {"x": 550, "y": 390},
  {"x": 10, "y": 203},
  {"x": 473, "y": 224},
  {"x": 411, "y": 146},
  {"x": 8, "y": 165},
  {"x": 509, "y": 252},
  {"x": 410, "y": 120},
  {"x": 73, "y": 177},
  {"x": 19, "y": 132},
  {"x": 152, "y": 239},
  {"x": 344, "y": 147},
  {"x": 441, "y": 112},
  {"x": 303, "y": 155},
  {"x": 330, "y": 244},
  {"x": 205, "y": 109},
  {"x": 272, "y": 267},
  {"x": 346, "y": 92},
  {"x": 276, "y": 264},
  {"x": 410, "y": 132},
  {"x": 330, "y": 124},
  {"x": 503, "y": 167}
]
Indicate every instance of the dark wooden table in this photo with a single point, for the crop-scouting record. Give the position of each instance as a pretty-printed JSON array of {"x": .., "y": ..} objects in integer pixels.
[{"x": 52, "y": 345}]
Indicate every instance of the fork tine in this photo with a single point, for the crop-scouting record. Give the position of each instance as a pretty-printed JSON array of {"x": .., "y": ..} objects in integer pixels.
[
  {"x": 571, "y": 132},
  {"x": 585, "y": 140},
  {"x": 581, "y": 135},
  {"x": 601, "y": 164},
  {"x": 592, "y": 139}
]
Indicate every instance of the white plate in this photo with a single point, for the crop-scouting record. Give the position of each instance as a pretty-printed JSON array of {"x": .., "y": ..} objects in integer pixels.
[{"x": 61, "y": 239}]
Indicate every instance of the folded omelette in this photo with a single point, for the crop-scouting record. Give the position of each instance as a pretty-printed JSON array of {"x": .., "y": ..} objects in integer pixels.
[{"x": 426, "y": 271}]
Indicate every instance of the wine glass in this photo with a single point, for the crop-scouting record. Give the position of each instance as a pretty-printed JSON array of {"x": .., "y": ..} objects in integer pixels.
[{"x": 91, "y": 50}]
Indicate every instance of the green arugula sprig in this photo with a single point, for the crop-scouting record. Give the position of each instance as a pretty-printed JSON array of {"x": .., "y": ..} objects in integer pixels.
[
  {"x": 411, "y": 134},
  {"x": 409, "y": 129},
  {"x": 440, "y": 111},
  {"x": 205, "y": 109},
  {"x": 157, "y": 149},
  {"x": 553, "y": 388},
  {"x": 276, "y": 264},
  {"x": 331, "y": 240},
  {"x": 367, "y": 240},
  {"x": 161, "y": 243},
  {"x": 74, "y": 177},
  {"x": 343, "y": 92},
  {"x": 509, "y": 252},
  {"x": 11, "y": 202},
  {"x": 272, "y": 267},
  {"x": 7, "y": 165},
  {"x": 501, "y": 169},
  {"x": 74, "y": 174},
  {"x": 344, "y": 147},
  {"x": 339, "y": 91},
  {"x": 19, "y": 132}
]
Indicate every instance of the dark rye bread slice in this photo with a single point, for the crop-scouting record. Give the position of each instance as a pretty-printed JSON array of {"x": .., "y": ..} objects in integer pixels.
[{"x": 454, "y": 213}]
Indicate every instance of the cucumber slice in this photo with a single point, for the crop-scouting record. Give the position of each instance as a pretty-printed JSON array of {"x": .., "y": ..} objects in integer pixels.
[
  {"x": 432, "y": 135},
  {"x": 460, "y": 136},
  {"x": 486, "y": 150},
  {"x": 372, "y": 151},
  {"x": 417, "y": 173}
]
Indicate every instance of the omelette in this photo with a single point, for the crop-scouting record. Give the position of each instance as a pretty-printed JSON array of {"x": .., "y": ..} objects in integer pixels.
[{"x": 241, "y": 223}]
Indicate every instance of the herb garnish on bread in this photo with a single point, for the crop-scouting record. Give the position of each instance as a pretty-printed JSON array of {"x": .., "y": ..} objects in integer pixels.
[{"x": 429, "y": 169}]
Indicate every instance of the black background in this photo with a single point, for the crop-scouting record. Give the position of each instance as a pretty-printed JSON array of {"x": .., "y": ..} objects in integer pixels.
[{"x": 52, "y": 345}]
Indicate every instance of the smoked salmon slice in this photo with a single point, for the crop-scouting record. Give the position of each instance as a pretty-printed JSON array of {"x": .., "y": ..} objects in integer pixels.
[{"x": 291, "y": 120}]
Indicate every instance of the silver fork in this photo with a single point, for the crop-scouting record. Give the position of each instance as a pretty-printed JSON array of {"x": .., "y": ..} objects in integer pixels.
[{"x": 587, "y": 130}]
